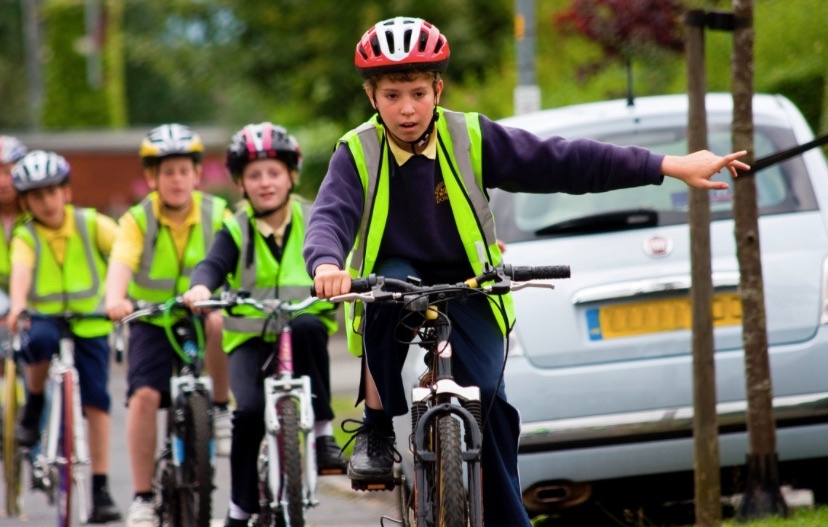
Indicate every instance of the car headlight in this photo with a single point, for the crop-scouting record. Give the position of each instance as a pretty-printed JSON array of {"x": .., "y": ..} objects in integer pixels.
[{"x": 515, "y": 347}]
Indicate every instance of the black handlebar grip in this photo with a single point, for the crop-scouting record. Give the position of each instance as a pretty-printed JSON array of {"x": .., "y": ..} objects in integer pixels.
[
  {"x": 362, "y": 285},
  {"x": 541, "y": 272}
]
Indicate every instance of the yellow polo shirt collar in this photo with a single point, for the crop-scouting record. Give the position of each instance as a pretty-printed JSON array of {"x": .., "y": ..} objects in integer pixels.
[{"x": 402, "y": 155}]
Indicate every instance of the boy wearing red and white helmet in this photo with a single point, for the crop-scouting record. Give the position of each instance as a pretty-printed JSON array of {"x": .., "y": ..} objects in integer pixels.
[
  {"x": 259, "y": 250},
  {"x": 58, "y": 265},
  {"x": 415, "y": 175}
]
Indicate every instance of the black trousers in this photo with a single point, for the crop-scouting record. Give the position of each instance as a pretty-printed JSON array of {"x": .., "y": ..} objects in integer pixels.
[{"x": 310, "y": 357}]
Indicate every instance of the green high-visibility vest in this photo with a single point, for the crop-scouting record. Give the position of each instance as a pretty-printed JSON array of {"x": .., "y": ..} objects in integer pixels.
[
  {"x": 5, "y": 253},
  {"x": 459, "y": 152},
  {"x": 266, "y": 278},
  {"x": 78, "y": 285},
  {"x": 161, "y": 275}
]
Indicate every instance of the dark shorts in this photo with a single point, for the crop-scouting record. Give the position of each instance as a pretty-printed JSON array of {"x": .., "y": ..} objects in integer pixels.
[
  {"x": 150, "y": 360},
  {"x": 91, "y": 359}
]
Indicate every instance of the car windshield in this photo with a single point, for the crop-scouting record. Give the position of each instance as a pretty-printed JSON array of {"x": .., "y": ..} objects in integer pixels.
[{"x": 781, "y": 188}]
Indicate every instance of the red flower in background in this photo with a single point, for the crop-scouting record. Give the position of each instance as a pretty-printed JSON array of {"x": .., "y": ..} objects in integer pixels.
[{"x": 623, "y": 27}]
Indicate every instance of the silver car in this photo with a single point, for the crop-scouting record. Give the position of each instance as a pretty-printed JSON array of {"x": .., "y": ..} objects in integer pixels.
[{"x": 601, "y": 368}]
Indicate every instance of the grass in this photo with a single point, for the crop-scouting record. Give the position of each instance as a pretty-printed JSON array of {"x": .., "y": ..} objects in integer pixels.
[
  {"x": 343, "y": 408},
  {"x": 798, "y": 518}
]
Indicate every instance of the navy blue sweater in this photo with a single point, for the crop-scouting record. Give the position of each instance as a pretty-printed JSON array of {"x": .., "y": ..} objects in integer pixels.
[{"x": 420, "y": 227}]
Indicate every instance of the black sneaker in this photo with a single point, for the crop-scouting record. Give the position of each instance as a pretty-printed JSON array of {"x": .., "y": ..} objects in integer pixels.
[
  {"x": 25, "y": 434},
  {"x": 372, "y": 463},
  {"x": 103, "y": 508},
  {"x": 233, "y": 522},
  {"x": 329, "y": 456}
]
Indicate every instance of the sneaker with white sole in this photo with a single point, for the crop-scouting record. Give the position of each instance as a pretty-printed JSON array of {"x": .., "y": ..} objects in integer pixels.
[
  {"x": 142, "y": 514},
  {"x": 222, "y": 430}
]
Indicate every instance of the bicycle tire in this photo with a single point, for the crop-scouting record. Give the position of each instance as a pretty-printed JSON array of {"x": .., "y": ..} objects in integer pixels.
[
  {"x": 291, "y": 462},
  {"x": 166, "y": 499},
  {"x": 67, "y": 450},
  {"x": 196, "y": 490},
  {"x": 12, "y": 465},
  {"x": 451, "y": 501}
]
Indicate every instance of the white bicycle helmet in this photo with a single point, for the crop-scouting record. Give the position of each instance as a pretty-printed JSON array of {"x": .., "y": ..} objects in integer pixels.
[
  {"x": 39, "y": 169},
  {"x": 11, "y": 149},
  {"x": 170, "y": 140}
]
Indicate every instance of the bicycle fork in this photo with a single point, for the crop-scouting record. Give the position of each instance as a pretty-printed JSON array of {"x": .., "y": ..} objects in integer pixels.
[
  {"x": 277, "y": 389},
  {"x": 81, "y": 448},
  {"x": 182, "y": 387},
  {"x": 429, "y": 403}
]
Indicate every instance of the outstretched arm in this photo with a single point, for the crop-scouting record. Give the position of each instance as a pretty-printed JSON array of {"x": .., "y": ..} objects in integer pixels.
[{"x": 697, "y": 168}]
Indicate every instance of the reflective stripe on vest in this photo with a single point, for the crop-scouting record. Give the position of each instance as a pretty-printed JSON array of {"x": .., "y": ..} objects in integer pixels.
[
  {"x": 460, "y": 157},
  {"x": 261, "y": 277},
  {"x": 161, "y": 273},
  {"x": 53, "y": 285}
]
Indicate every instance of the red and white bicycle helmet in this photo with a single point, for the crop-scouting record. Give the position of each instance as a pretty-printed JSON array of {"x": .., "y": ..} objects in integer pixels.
[
  {"x": 39, "y": 169},
  {"x": 262, "y": 141},
  {"x": 170, "y": 140},
  {"x": 399, "y": 45},
  {"x": 11, "y": 149}
]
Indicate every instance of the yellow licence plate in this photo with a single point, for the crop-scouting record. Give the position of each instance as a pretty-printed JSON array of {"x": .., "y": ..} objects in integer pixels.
[{"x": 655, "y": 316}]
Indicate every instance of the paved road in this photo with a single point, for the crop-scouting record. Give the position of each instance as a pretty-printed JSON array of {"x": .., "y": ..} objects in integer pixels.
[{"x": 339, "y": 505}]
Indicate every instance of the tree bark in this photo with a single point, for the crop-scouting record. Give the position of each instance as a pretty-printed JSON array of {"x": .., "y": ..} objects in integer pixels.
[
  {"x": 762, "y": 496},
  {"x": 705, "y": 419}
]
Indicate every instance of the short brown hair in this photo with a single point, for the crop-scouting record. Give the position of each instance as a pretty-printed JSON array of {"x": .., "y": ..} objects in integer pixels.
[{"x": 371, "y": 82}]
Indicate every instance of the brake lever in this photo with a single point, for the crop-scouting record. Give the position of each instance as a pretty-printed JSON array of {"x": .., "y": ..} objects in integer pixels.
[{"x": 517, "y": 286}]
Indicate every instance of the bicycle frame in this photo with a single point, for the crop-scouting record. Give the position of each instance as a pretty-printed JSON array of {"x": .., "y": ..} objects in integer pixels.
[
  {"x": 185, "y": 382},
  {"x": 48, "y": 460},
  {"x": 282, "y": 385},
  {"x": 437, "y": 400},
  {"x": 434, "y": 413}
]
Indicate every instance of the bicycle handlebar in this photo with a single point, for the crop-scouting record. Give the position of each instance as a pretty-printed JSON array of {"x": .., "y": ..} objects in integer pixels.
[
  {"x": 146, "y": 309},
  {"x": 230, "y": 299},
  {"x": 379, "y": 288}
]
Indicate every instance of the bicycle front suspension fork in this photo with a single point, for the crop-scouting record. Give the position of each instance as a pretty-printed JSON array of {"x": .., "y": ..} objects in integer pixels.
[{"x": 276, "y": 389}]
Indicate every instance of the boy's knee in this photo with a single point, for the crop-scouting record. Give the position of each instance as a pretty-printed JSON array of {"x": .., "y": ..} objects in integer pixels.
[{"x": 145, "y": 398}]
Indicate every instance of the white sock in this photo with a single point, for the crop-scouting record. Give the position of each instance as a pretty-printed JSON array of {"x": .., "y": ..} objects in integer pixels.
[
  {"x": 322, "y": 428},
  {"x": 237, "y": 513}
]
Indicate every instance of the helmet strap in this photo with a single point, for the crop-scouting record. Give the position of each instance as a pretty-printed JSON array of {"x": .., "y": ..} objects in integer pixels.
[{"x": 420, "y": 141}]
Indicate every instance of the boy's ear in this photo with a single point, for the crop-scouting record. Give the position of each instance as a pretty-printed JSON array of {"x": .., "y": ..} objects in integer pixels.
[
  {"x": 198, "y": 171},
  {"x": 370, "y": 93},
  {"x": 67, "y": 194},
  {"x": 150, "y": 175}
]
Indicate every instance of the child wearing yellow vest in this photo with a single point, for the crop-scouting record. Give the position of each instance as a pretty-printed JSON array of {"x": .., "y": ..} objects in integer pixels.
[
  {"x": 159, "y": 242},
  {"x": 11, "y": 151},
  {"x": 60, "y": 253},
  {"x": 259, "y": 250}
]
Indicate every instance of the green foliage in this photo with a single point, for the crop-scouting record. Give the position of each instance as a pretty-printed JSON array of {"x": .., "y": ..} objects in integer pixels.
[
  {"x": 69, "y": 100},
  {"x": 13, "y": 93}
]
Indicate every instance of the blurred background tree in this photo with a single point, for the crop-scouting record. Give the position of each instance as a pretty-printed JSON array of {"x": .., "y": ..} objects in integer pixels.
[{"x": 229, "y": 62}]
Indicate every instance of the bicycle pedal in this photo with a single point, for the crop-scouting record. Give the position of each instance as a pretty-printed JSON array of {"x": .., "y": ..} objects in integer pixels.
[
  {"x": 332, "y": 471},
  {"x": 373, "y": 486}
]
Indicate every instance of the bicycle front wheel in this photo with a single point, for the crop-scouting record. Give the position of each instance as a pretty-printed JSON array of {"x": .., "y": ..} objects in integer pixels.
[
  {"x": 12, "y": 470},
  {"x": 291, "y": 463},
  {"x": 196, "y": 489},
  {"x": 452, "y": 508},
  {"x": 66, "y": 447}
]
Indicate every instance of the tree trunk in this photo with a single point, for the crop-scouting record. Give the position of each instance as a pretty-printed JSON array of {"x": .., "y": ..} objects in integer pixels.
[
  {"x": 762, "y": 496},
  {"x": 705, "y": 420}
]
